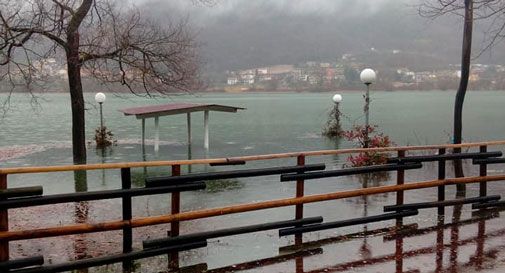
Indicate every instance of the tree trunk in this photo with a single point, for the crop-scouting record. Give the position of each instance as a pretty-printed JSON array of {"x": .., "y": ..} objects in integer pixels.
[
  {"x": 463, "y": 85},
  {"x": 77, "y": 99}
]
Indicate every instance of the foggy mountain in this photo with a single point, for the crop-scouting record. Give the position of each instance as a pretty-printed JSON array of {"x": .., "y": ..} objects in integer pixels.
[{"x": 239, "y": 34}]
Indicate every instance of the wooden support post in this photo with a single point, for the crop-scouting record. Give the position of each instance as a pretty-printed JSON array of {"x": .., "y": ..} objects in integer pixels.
[
  {"x": 481, "y": 239},
  {"x": 156, "y": 134},
  {"x": 483, "y": 172},
  {"x": 440, "y": 246},
  {"x": 206, "y": 129},
  {"x": 300, "y": 189},
  {"x": 400, "y": 180},
  {"x": 143, "y": 141},
  {"x": 454, "y": 239},
  {"x": 441, "y": 176},
  {"x": 399, "y": 254},
  {"x": 299, "y": 264},
  {"x": 189, "y": 128},
  {"x": 127, "y": 216},
  {"x": 4, "y": 223},
  {"x": 174, "y": 226}
]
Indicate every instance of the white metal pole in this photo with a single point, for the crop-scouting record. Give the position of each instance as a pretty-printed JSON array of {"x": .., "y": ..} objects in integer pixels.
[
  {"x": 367, "y": 107},
  {"x": 206, "y": 129},
  {"x": 156, "y": 134},
  {"x": 189, "y": 128},
  {"x": 367, "y": 110},
  {"x": 143, "y": 143},
  {"x": 101, "y": 116},
  {"x": 102, "y": 131}
]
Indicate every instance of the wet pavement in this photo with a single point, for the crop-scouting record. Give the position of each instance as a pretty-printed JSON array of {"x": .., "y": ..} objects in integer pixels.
[{"x": 465, "y": 240}]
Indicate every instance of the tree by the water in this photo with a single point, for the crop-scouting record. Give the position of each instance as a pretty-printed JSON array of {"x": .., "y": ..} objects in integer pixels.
[
  {"x": 109, "y": 40},
  {"x": 491, "y": 10}
]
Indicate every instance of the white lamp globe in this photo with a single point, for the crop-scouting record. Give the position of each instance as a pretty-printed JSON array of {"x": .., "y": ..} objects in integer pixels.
[
  {"x": 100, "y": 97},
  {"x": 337, "y": 98},
  {"x": 367, "y": 76}
]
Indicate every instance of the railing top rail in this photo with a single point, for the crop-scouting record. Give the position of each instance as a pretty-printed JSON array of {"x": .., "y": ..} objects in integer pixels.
[
  {"x": 233, "y": 209},
  {"x": 61, "y": 168}
]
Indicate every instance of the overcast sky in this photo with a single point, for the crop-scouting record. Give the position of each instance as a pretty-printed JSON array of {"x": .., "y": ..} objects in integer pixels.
[
  {"x": 244, "y": 33},
  {"x": 296, "y": 7}
]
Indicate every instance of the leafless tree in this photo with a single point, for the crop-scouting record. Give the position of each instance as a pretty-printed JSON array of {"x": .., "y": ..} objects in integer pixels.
[
  {"x": 106, "y": 39},
  {"x": 492, "y": 11}
]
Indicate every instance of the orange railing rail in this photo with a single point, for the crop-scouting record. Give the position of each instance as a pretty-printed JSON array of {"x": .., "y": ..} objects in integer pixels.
[{"x": 176, "y": 216}]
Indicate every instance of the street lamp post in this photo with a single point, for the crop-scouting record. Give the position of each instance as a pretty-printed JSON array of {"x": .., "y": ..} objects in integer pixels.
[
  {"x": 337, "y": 99},
  {"x": 368, "y": 77},
  {"x": 100, "y": 99}
]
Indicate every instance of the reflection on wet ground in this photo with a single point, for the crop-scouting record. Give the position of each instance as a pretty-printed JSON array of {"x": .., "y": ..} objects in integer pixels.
[
  {"x": 465, "y": 241},
  {"x": 448, "y": 252}
]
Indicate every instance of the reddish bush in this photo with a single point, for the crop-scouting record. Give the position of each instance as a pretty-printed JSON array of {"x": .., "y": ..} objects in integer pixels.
[{"x": 375, "y": 140}]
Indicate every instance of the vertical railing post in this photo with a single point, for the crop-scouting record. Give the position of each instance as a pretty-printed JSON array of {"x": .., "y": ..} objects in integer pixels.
[
  {"x": 481, "y": 240},
  {"x": 399, "y": 254},
  {"x": 483, "y": 172},
  {"x": 4, "y": 223},
  {"x": 400, "y": 180},
  {"x": 439, "y": 248},
  {"x": 479, "y": 255},
  {"x": 174, "y": 226},
  {"x": 127, "y": 216},
  {"x": 300, "y": 189},
  {"x": 400, "y": 198},
  {"x": 299, "y": 264},
  {"x": 441, "y": 176}
]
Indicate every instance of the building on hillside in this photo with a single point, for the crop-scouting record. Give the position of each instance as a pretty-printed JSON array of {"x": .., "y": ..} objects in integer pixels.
[
  {"x": 262, "y": 71},
  {"x": 405, "y": 75},
  {"x": 232, "y": 80},
  {"x": 425, "y": 76},
  {"x": 264, "y": 77},
  {"x": 46, "y": 67},
  {"x": 281, "y": 69}
]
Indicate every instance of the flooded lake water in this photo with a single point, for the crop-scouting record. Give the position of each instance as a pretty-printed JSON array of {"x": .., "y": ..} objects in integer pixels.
[{"x": 272, "y": 123}]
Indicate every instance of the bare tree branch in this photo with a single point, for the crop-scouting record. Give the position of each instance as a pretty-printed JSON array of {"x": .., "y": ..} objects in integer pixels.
[
  {"x": 64, "y": 7},
  {"x": 491, "y": 13},
  {"x": 104, "y": 39}
]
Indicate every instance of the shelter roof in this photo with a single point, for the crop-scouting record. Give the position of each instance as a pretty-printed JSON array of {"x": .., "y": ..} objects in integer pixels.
[{"x": 175, "y": 109}]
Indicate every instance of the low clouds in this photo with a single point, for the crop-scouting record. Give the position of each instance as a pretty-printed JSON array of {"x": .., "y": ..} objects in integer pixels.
[
  {"x": 246, "y": 33},
  {"x": 260, "y": 8}
]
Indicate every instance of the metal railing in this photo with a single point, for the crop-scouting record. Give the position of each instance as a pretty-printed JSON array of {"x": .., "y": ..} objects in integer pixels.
[{"x": 11, "y": 198}]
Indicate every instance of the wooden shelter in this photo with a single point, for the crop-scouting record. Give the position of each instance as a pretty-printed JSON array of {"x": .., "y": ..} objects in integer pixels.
[{"x": 156, "y": 111}]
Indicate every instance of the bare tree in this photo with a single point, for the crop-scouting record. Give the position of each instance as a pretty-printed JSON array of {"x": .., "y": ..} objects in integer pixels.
[
  {"x": 114, "y": 44},
  {"x": 492, "y": 11}
]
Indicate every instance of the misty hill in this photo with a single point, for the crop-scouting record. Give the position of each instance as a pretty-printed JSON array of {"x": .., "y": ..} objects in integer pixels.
[{"x": 243, "y": 34}]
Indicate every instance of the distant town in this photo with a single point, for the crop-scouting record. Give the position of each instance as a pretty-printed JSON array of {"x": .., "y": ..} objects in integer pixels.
[
  {"x": 314, "y": 76},
  {"x": 344, "y": 75}
]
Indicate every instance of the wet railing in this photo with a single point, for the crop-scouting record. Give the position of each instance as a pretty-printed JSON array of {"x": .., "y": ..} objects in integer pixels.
[{"x": 12, "y": 198}]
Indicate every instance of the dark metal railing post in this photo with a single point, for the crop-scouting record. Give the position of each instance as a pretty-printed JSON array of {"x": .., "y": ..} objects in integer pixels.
[
  {"x": 481, "y": 239},
  {"x": 439, "y": 248},
  {"x": 400, "y": 180},
  {"x": 441, "y": 176},
  {"x": 127, "y": 216},
  {"x": 299, "y": 264},
  {"x": 483, "y": 172},
  {"x": 174, "y": 226},
  {"x": 300, "y": 189},
  {"x": 399, "y": 254},
  {"x": 4, "y": 223}
]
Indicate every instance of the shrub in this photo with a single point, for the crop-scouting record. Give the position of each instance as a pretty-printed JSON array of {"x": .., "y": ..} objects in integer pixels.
[
  {"x": 375, "y": 140},
  {"x": 103, "y": 137},
  {"x": 332, "y": 129}
]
